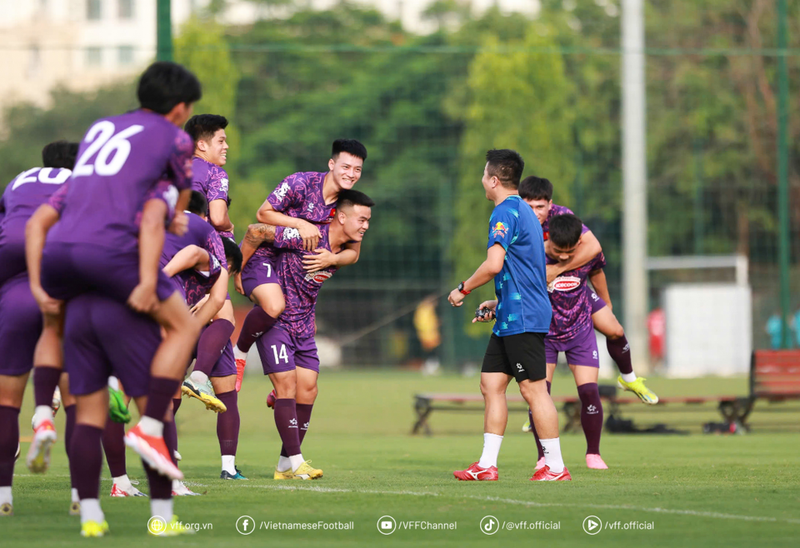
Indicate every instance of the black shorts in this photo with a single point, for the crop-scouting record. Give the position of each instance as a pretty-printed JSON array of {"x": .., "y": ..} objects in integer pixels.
[{"x": 520, "y": 356}]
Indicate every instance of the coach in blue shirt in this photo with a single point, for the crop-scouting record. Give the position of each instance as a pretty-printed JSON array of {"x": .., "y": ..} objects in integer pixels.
[{"x": 516, "y": 261}]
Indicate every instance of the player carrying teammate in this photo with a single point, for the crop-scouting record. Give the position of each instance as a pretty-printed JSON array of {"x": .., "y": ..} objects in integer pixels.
[
  {"x": 516, "y": 261},
  {"x": 303, "y": 202}
]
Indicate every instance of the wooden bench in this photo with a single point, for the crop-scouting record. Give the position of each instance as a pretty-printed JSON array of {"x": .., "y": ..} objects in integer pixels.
[{"x": 774, "y": 377}]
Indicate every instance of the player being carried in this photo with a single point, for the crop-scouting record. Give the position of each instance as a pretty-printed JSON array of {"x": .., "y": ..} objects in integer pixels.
[
  {"x": 288, "y": 351},
  {"x": 303, "y": 202},
  {"x": 538, "y": 193}
]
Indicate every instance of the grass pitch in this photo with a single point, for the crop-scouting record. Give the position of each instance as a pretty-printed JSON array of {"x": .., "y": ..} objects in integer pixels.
[{"x": 691, "y": 490}]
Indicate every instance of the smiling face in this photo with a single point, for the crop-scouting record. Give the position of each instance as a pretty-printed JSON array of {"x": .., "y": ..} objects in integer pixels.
[
  {"x": 541, "y": 208},
  {"x": 215, "y": 148},
  {"x": 355, "y": 221},
  {"x": 346, "y": 170}
]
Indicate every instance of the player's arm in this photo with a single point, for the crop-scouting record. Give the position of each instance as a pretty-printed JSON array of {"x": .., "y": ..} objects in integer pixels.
[
  {"x": 588, "y": 250},
  {"x": 323, "y": 258},
  {"x": 257, "y": 234},
  {"x": 180, "y": 222},
  {"x": 218, "y": 215},
  {"x": 600, "y": 285},
  {"x": 308, "y": 231},
  {"x": 36, "y": 230},
  {"x": 143, "y": 298},
  {"x": 190, "y": 257},
  {"x": 491, "y": 267},
  {"x": 208, "y": 308}
]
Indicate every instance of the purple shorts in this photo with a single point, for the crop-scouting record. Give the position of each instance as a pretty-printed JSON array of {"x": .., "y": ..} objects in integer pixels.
[
  {"x": 20, "y": 326},
  {"x": 597, "y": 303},
  {"x": 12, "y": 259},
  {"x": 226, "y": 364},
  {"x": 102, "y": 338},
  {"x": 580, "y": 349},
  {"x": 258, "y": 271},
  {"x": 69, "y": 270},
  {"x": 281, "y": 351}
]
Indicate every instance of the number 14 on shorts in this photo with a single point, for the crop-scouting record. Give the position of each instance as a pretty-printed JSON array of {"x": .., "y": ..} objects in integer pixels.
[{"x": 280, "y": 354}]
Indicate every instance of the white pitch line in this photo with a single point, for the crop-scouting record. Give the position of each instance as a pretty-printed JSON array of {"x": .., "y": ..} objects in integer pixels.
[{"x": 714, "y": 515}]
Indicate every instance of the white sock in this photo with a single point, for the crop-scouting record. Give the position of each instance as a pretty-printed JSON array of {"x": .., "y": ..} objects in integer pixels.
[
  {"x": 552, "y": 454},
  {"x": 90, "y": 511},
  {"x": 161, "y": 508},
  {"x": 296, "y": 461},
  {"x": 123, "y": 482},
  {"x": 199, "y": 377},
  {"x": 41, "y": 413},
  {"x": 151, "y": 426},
  {"x": 113, "y": 382},
  {"x": 5, "y": 495},
  {"x": 491, "y": 448},
  {"x": 628, "y": 377},
  {"x": 239, "y": 354},
  {"x": 284, "y": 464},
  {"x": 229, "y": 464},
  {"x": 75, "y": 497}
]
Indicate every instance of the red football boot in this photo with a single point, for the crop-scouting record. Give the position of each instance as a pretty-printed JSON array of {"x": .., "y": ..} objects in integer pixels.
[{"x": 476, "y": 473}]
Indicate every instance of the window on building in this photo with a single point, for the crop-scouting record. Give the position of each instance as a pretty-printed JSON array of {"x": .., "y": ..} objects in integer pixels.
[
  {"x": 127, "y": 9},
  {"x": 94, "y": 10},
  {"x": 125, "y": 55},
  {"x": 94, "y": 56}
]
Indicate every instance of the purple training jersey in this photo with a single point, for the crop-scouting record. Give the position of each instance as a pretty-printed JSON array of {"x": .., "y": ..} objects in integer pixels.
[
  {"x": 299, "y": 195},
  {"x": 555, "y": 210},
  {"x": 120, "y": 159},
  {"x": 212, "y": 181},
  {"x": 569, "y": 296},
  {"x": 19, "y": 201}
]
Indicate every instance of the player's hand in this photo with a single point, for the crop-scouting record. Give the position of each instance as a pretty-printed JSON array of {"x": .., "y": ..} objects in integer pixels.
[
  {"x": 456, "y": 298},
  {"x": 553, "y": 272},
  {"x": 321, "y": 259},
  {"x": 237, "y": 283},
  {"x": 143, "y": 298},
  {"x": 490, "y": 314},
  {"x": 47, "y": 304},
  {"x": 310, "y": 234},
  {"x": 180, "y": 224},
  {"x": 199, "y": 304}
]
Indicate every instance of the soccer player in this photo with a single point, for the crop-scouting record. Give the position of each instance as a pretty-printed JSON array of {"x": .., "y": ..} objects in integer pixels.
[
  {"x": 538, "y": 193},
  {"x": 96, "y": 245},
  {"x": 93, "y": 350},
  {"x": 20, "y": 318},
  {"x": 571, "y": 329},
  {"x": 288, "y": 352},
  {"x": 516, "y": 261},
  {"x": 210, "y": 178},
  {"x": 303, "y": 202}
]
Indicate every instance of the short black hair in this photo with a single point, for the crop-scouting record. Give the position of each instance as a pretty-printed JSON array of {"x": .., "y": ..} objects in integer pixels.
[
  {"x": 204, "y": 126},
  {"x": 565, "y": 230},
  {"x": 164, "y": 85},
  {"x": 536, "y": 188},
  {"x": 506, "y": 165},
  {"x": 349, "y": 198},
  {"x": 198, "y": 203},
  {"x": 60, "y": 154},
  {"x": 351, "y": 146},
  {"x": 233, "y": 254}
]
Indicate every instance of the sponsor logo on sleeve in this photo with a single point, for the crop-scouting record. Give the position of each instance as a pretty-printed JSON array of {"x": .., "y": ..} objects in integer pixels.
[
  {"x": 281, "y": 192},
  {"x": 499, "y": 230},
  {"x": 223, "y": 184},
  {"x": 291, "y": 234}
]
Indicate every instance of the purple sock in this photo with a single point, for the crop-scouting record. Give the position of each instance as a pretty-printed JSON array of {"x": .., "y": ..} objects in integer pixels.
[
  {"x": 591, "y": 416},
  {"x": 212, "y": 343},
  {"x": 45, "y": 380},
  {"x": 255, "y": 324},
  {"x": 176, "y": 404},
  {"x": 533, "y": 427},
  {"x": 620, "y": 352},
  {"x": 69, "y": 429},
  {"x": 161, "y": 486},
  {"x": 286, "y": 421},
  {"x": 9, "y": 438},
  {"x": 86, "y": 460},
  {"x": 171, "y": 439},
  {"x": 159, "y": 396},
  {"x": 228, "y": 423},
  {"x": 114, "y": 446},
  {"x": 303, "y": 420}
]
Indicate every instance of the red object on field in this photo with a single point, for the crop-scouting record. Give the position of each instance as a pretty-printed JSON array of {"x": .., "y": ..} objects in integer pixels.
[{"x": 657, "y": 327}]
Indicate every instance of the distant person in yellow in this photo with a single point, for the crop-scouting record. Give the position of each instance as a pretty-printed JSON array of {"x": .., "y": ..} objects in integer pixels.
[{"x": 426, "y": 322}]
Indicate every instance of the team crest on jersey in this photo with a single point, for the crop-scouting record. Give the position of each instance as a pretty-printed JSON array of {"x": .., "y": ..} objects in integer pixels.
[
  {"x": 319, "y": 276},
  {"x": 499, "y": 230},
  {"x": 310, "y": 208},
  {"x": 565, "y": 283}
]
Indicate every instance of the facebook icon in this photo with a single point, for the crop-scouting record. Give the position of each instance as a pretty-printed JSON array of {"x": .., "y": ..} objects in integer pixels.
[{"x": 245, "y": 525}]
